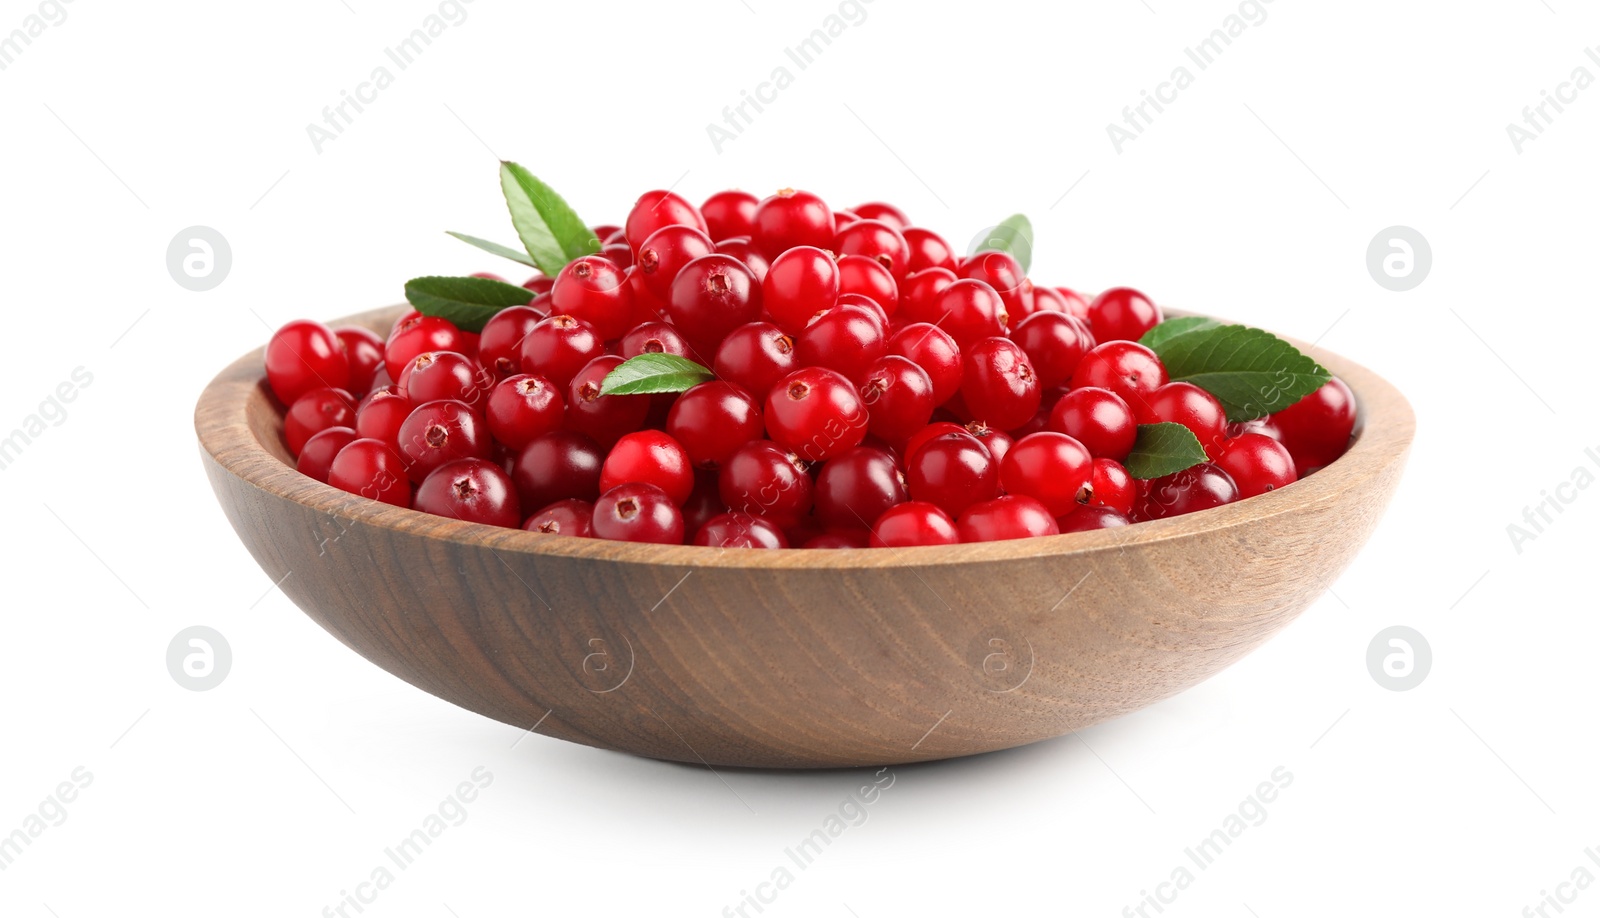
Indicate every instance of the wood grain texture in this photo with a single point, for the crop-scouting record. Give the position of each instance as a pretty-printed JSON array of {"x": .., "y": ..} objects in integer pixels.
[{"x": 795, "y": 659}]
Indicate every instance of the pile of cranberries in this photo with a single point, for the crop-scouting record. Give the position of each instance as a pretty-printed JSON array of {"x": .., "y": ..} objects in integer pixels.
[{"x": 871, "y": 388}]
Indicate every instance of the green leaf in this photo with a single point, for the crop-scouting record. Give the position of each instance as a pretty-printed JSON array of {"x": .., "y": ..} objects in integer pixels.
[
  {"x": 495, "y": 248},
  {"x": 1251, "y": 372},
  {"x": 467, "y": 301},
  {"x": 1156, "y": 338},
  {"x": 550, "y": 231},
  {"x": 1164, "y": 449},
  {"x": 1013, "y": 235},
  {"x": 654, "y": 373}
]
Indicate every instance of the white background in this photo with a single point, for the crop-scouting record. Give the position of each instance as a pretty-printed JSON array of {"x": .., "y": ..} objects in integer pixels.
[{"x": 1254, "y": 196}]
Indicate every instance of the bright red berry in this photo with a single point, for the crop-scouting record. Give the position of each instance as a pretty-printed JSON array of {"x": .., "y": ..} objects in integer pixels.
[
  {"x": 314, "y": 412},
  {"x": 604, "y": 417},
  {"x": 1097, "y": 418},
  {"x": 919, "y": 295},
  {"x": 876, "y": 240},
  {"x": 474, "y": 490},
  {"x": 418, "y": 335},
  {"x": 1131, "y": 370},
  {"x": 867, "y": 277},
  {"x": 953, "y": 471},
  {"x": 1055, "y": 344},
  {"x": 590, "y": 289},
  {"x": 1111, "y": 486},
  {"x": 928, "y": 250},
  {"x": 1317, "y": 428},
  {"x": 886, "y": 213},
  {"x": 316, "y": 456},
  {"x": 638, "y": 513},
  {"x": 801, "y": 282},
  {"x": 523, "y": 407},
  {"x": 932, "y": 349},
  {"x": 437, "y": 375},
  {"x": 665, "y": 253},
  {"x": 500, "y": 342},
  {"x": 1122, "y": 314},
  {"x": 1002, "y": 272},
  {"x": 655, "y": 338},
  {"x": 1050, "y": 467},
  {"x": 305, "y": 355},
  {"x": 998, "y": 383},
  {"x": 755, "y": 356},
  {"x": 656, "y": 209},
  {"x": 1010, "y": 517},
  {"x": 649, "y": 457},
  {"x": 846, "y": 338},
  {"x": 913, "y": 523},
  {"x": 363, "y": 350},
  {"x": 970, "y": 310},
  {"x": 381, "y": 413},
  {"x": 1257, "y": 464},
  {"x": 815, "y": 413},
  {"x": 729, "y": 214},
  {"x": 740, "y": 247},
  {"x": 899, "y": 398},
  {"x": 1091, "y": 517},
  {"x": 1187, "y": 404},
  {"x": 440, "y": 432},
  {"x": 712, "y": 420},
  {"x": 558, "y": 347},
  {"x": 371, "y": 469},
  {"x": 790, "y": 218},
  {"x": 564, "y": 517},
  {"x": 711, "y": 296}
]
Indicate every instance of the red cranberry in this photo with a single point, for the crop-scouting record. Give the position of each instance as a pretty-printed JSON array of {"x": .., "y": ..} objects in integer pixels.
[
  {"x": 655, "y": 338},
  {"x": 558, "y": 347},
  {"x": 371, "y": 469},
  {"x": 1085, "y": 519},
  {"x": 847, "y": 339},
  {"x": 1050, "y": 467},
  {"x": 1097, "y": 418},
  {"x": 440, "y": 432},
  {"x": 866, "y": 276},
  {"x": 876, "y": 240},
  {"x": 380, "y": 415},
  {"x": 1187, "y": 404},
  {"x": 913, "y": 523},
  {"x": 561, "y": 465},
  {"x": 1122, "y": 314},
  {"x": 1131, "y": 370},
  {"x": 755, "y": 356},
  {"x": 656, "y": 209},
  {"x": 314, "y": 412},
  {"x": 740, "y": 247},
  {"x": 437, "y": 375},
  {"x": 638, "y": 513},
  {"x": 649, "y": 457},
  {"x": 500, "y": 342},
  {"x": 740, "y": 530},
  {"x": 564, "y": 517},
  {"x": 953, "y": 471},
  {"x": 712, "y": 420},
  {"x": 998, "y": 383},
  {"x": 590, "y": 289},
  {"x": 604, "y": 417},
  {"x": 1055, "y": 343},
  {"x": 363, "y": 350},
  {"x": 886, "y": 213},
  {"x": 1317, "y": 428},
  {"x": 801, "y": 282},
  {"x": 932, "y": 349},
  {"x": 305, "y": 355},
  {"x": 523, "y": 407},
  {"x": 711, "y": 296},
  {"x": 928, "y": 250},
  {"x": 729, "y": 214},
  {"x": 1200, "y": 487},
  {"x": 934, "y": 429},
  {"x": 1111, "y": 486},
  {"x": 919, "y": 295},
  {"x": 764, "y": 479},
  {"x": 899, "y": 398},
  {"x": 474, "y": 490},
  {"x": 316, "y": 457},
  {"x": 1257, "y": 464},
  {"x": 1010, "y": 517},
  {"x": 790, "y": 218},
  {"x": 970, "y": 310},
  {"x": 418, "y": 335},
  {"x": 815, "y": 413},
  {"x": 665, "y": 253},
  {"x": 855, "y": 488}
]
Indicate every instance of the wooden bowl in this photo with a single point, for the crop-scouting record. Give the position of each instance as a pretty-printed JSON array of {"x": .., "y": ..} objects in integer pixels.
[{"x": 795, "y": 659}]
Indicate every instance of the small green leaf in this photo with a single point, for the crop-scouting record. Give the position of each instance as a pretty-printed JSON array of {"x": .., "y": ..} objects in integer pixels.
[
  {"x": 1014, "y": 234},
  {"x": 1164, "y": 449},
  {"x": 495, "y": 248},
  {"x": 1156, "y": 338},
  {"x": 467, "y": 301},
  {"x": 654, "y": 373},
  {"x": 1251, "y": 372},
  {"x": 548, "y": 227}
]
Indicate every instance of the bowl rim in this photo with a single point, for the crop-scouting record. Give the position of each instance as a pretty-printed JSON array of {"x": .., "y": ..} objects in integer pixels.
[{"x": 1385, "y": 427}]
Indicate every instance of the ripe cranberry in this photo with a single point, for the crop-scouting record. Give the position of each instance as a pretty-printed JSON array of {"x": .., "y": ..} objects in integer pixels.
[
  {"x": 855, "y": 488},
  {"x": 815, "y": 413},
  {"x": 847, "y": 339},
  {"x": 996, "y": 441},
  {"x": 711, "y": 296},
  {"x": 928, "y": 250},
  {"x": 564, "y": 517},
  {"x": 954, "y": 471},
  {"x": 591, "y": 289},
  {"x": 440, "y": 432},
  {"x": 380, "y": 415},
  {"x": 865, "y": 276},
  {"x": 854, "y": 538},
  {"x": 801, "y": 282},
  {"x": 363, "y": 350},
  {"x": 899, "y": 398},
  {"x": 1050, "y": 467},
  {"x": 438, "y": 375},
  {"x": 618, "y": 254},
  {"x": 843, "y": 218},
  {"x": 558, "y": 347},
  {"x": 371, "y": 469},
  {"x": 970, "y": 310},
  {"x": 1193, "y": 407},
  {"x": 316, "y": 456},
  {"x": 755, "y": 356},
  {"x": 665, "y": 253},
  {"x": 740, "y": 530},
  {"x": 475, "y": 490},
  {"x": 647, "y": 307},
  {"x": 729, "y": 214},
  {"x": 1077, "y": 303},
  {"x": 712, "y": 420},
  {"x": 561, "y": 465},
  {"x": 1091, "y": 517},
  {"x": 1001, "y": 271},
  {"x": 739, "y": 247},
  {"x": 998, "y": 383},
  {"x": 500, "y": 342},
  {"x": 523, "y": 407},
  {"x": 932, "y": 349},
  {"x": 656, "y": 209},
  {"x": 649, "y": 457},
  {"x": 418, "y": 335},
  {"x": 876, "y": 240},
  {"x": 638, "y": 513},
  {"x": 1055, "y": 343},
  {"x": 1010, "y": 517},
  {"x": 887, "y": 213},
  {"x": 540, "y": 283},
  {"x": 654, "y": 338},
  {"x": 1111, "y": 486},
  {"x": 1131, "y": 370},
  {"x": 1122, "y": 314},
  {"x": 1097, "y": 418},
  {"x": 1257, "y": 464},
  {"x": 305, "y": 355},
  {"x": 913, "y": 523},
  {"x": 790, "y": 218},
  {"x": 314, "y": 412},
  {"x": 919, "y": 295},
  {"x": 934, "y": 429},
  {"x": 604, "y": 417},
  {"x": 1317, "y": 428},
  {"x": 1049, "y": 299},
  {"x": 764, "y": 479},
  {"x": 1200, "y": 487}
]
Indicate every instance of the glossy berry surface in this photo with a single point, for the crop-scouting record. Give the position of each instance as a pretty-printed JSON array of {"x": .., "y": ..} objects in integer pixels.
[
  {"x": 740, "y": 530},
  {"x": 998, "y": 383},
  {"x": 1317, "y": 428},
  {"x": 953, "y": 471},
  {"x": 970, "y": 310},
  {"x": 800, "y": 283},
  {"x": 474, "y": 490},
  {"x": 523, "y": 407},
  {"x": 1099, "y": 419},
  {"x": 1010, "y": 517},
  {"x": 856, "y": 487},
  {"x": 558, "y": 347},
  {"x": 932, "y": 349},
  {"x": 638, "y": 513},
  {"x": 764, "y": 479},
  {"x": 590, "y": 289},
  {"x": 729, "y": 214},
  {"x": 1200, "y": 487},
  {"x": 315, "y": 458},
  {"x": 569, "y": 517},
  {"x": 913, "y": 523},
  {"x": 1187, "y": 404},
  {"x": 649, "y": 457},
  {"x": 1086, "y": 519},
  {"x": 373, "y": 470},
  {"x": 314, "y": 412},
  {"x": 665, "y": 253},
  {"x": 755, "y": 356},
  {"x": 1055, "y": 344},
  {"x": 439, "y": 432},
  {"x": 606, "y": 418},
  {"x": 847, "y": 339},
  {"x": 1111, "y": 486},
  {"x": 500, "y": 342},
  {"x": 790, "y": 218},
  {"x": 1050, "y": 467},
  {"x": 815, "y": 413},
  {"x": 1122, "y": 314},
  {"x": 1257, "y": 464},
  {"x": 1129, "y": 369},
  {"x": 898, "y": 396},
  {"x": 560, "y": 465},
  {"x": 656, "y": 209},
  {"x": 711, "y": 296},
  {"x": 302, "y": 356},
  {"x": 712, "y": 420}
]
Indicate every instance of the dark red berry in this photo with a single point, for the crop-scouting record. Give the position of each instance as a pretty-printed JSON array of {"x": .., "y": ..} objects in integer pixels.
[
  {"x": 764, "y": 479},
  {"x": 440, "y": 432},
  {"x": 913, "y": 523},
  {"x": 638, "y": 513},
  {"x": 855, "y": 488},
  {"x": 899, "y": 398},
  {"x": 316, "y": 456},
  {"x": 604, "y": 417},
  {"x": 418, "y": 335},
  {"x": 371, "y": 469},
  {"x": 815, "y": 413},
  {"x": 953, "y": 471},
  {"x": 755, "y": 356},
  {"x": 1055, "y": 343},
  {"x": 523, "y": 407},
  {"x": 500, "y": 342},
  {"x": 1084, "y": 519},
  {"x": 561, "y": 465},
  {"x": 381, "y": 413},
  {"x": 314, "y": 412},
  {"x": 1200, "y": 487},
  {"x": 564, "y": 517},
  {"x": 363, "y": 350},
  {"x": 998, "y": 383},
  {"x": 712, "y": 420},
  {"x": 474, "y": 490},
  {"x": 934, "y": 429},
  {"x": 740, "y": 530}
]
